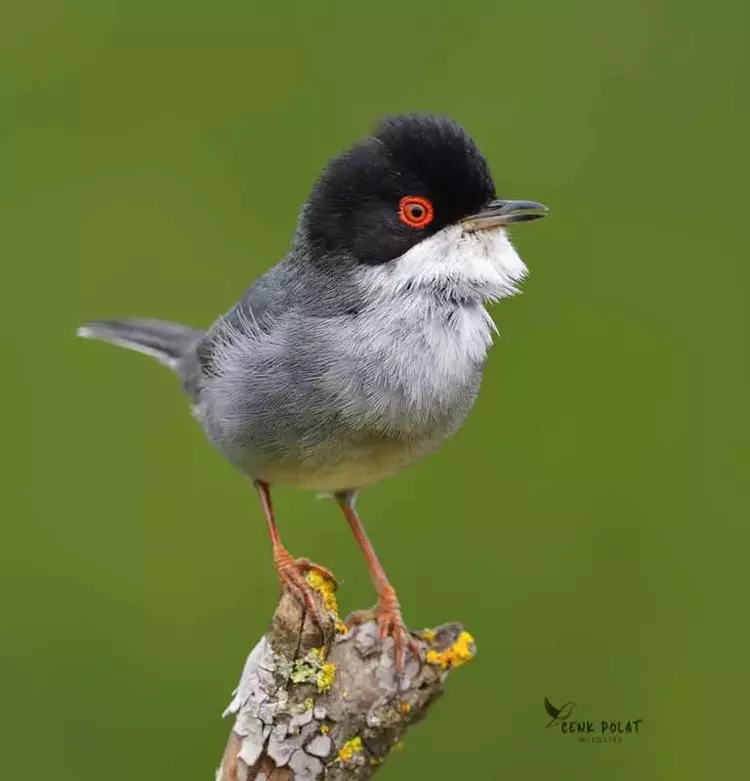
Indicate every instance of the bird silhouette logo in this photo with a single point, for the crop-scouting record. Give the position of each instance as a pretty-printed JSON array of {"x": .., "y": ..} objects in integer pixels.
[{"x": 558, "y": 714}]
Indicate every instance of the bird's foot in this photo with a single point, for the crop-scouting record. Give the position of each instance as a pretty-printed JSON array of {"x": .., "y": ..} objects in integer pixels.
[
  {"x": 387, "y": 615},
  {"x": 292, "y": 574},
  {"x": 305, "y": 565}
]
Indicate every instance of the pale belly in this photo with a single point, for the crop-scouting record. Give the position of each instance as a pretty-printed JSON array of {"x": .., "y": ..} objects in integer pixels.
[{"x": 340, "y": 467}]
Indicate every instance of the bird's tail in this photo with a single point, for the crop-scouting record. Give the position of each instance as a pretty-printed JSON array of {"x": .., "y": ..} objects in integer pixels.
[{"x": 169, "y": 343}]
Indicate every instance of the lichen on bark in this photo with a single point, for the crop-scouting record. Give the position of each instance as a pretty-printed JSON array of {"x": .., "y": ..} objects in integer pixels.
[{"x": 318, "y": 704}]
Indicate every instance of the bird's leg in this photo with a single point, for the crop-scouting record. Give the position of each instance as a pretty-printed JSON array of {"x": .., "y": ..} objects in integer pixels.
[
  {"x": 387, "y": 611},
  {"x": 292, "y": 571}
]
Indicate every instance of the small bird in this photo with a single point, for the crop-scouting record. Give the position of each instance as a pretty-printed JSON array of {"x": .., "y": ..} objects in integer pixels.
[{"x": 362, "y": 350}]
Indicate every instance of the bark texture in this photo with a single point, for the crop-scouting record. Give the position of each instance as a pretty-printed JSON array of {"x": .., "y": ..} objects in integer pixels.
[{"x": 327, "y": 704}]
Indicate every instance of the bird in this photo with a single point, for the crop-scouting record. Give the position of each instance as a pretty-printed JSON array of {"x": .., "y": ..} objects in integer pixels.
[{"x": 362, "y": 350}]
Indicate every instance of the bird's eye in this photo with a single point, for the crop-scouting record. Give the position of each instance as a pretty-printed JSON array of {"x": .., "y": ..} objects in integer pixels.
[{"x": 415, "y": 211}]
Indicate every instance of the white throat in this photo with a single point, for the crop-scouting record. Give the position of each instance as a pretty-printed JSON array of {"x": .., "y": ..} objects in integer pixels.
[{"x": 457, "y": 266}]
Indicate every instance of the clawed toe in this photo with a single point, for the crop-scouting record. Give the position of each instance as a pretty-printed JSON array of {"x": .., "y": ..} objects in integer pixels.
[
  {"x": 387, "y": 614},
  {"x": 305, "y": 565},
  {"x": 292, "y": 574},
  {"x": 294, "y": 581}
]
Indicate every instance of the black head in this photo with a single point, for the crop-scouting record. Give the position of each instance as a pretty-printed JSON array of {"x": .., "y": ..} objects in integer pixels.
[{"x": 414, "y": 176}]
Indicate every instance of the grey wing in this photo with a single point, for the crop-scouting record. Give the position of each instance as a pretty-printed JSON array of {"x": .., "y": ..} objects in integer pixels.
[
  {"x": 246, "y": 313},
  {"x": 253, "y": 313}
]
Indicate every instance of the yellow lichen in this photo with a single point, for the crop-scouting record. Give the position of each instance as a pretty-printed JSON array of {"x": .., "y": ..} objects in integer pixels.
[
  {"x": 312, "y": 668},
  {"x": 460, "y": 652},
  {"x": 325, "y": 729},
  {"x": 404, "y": 707},
  {"x": 326, "y": 677},
  {"x": 326, "y": 589},
  {"x": 429, "y": 635},
  {"x": 309, "y": 703},
  {"x": 350, "y": 748}
]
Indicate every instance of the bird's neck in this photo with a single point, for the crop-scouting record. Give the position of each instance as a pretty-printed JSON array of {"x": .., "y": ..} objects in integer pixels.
[{"x": 451, "y": 266}]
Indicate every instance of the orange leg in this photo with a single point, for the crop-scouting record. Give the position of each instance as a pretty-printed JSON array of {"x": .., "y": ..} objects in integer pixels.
[
  {"x": 387, "y": 611},
  {"x": 292, "y": 571}
]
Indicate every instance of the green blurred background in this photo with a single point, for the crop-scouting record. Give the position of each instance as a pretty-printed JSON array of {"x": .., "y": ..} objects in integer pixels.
[{"x": 590, "y": 523}]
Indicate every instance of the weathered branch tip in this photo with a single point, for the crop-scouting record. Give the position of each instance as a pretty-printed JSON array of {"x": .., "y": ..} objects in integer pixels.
[{"x": 325, "y": 704}]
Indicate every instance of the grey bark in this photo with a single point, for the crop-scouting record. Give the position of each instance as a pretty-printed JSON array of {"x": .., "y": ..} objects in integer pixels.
[{"x": 316, "y": 705}]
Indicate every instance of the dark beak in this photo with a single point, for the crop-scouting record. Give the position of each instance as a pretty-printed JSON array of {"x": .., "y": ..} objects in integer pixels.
[{"x": 499, "y": 213}]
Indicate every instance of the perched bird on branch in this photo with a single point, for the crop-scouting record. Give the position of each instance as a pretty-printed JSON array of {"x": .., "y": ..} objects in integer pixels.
[{"x": 362, "y": 350}]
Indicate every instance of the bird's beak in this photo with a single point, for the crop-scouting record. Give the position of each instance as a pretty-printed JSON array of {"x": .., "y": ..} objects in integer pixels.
[{"x": 499, "y": 213}]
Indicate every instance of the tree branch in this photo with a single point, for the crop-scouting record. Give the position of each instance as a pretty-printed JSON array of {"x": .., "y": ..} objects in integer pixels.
[{"x": 316, "y": 705}]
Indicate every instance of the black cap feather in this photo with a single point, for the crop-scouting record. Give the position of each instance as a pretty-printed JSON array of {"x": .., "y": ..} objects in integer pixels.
[{"x": 353, "y": 208}]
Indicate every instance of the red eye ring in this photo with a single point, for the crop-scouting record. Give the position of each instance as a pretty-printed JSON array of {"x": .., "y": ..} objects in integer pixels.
[{"x": 415, "y": 211}]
